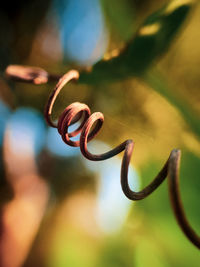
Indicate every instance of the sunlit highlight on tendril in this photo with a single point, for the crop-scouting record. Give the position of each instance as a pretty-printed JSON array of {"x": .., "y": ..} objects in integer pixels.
[{"x": 89, "y": 128}]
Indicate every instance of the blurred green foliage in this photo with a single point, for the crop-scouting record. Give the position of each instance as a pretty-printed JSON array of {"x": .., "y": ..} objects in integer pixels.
[{"x": 152, "y": 39}]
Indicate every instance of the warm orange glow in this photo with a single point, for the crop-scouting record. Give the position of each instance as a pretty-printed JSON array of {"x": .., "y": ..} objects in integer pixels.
[{"x": 22, "y": 216}]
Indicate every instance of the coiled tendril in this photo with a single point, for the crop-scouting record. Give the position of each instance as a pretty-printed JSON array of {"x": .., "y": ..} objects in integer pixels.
[{"x": 88, "y": 129}]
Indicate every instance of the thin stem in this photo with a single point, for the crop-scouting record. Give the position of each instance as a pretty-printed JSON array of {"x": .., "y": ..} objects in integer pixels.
[{"x": 94, "y": 121}]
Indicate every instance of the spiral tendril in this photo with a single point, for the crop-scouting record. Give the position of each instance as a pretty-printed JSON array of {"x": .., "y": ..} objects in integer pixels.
[{"x": 89, "y": 128}]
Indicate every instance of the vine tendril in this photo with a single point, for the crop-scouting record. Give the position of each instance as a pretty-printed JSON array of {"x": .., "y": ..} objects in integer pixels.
[{"x": 89, "y": 128}]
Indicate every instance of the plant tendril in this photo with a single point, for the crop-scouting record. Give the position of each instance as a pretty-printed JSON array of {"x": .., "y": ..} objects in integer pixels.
[{"x": 89, "y": 128}]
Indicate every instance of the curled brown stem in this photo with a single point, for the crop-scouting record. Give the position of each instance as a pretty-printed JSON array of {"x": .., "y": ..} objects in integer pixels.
[
  {"x": 29, "y": 74},
  {"x": 89, "y": 128}
]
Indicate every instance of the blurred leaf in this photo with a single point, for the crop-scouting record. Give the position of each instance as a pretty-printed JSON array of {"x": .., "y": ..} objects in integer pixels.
[
  {"x": 160, "y": 85},
  {"x": 116, "y": 252},
  {"x": 159, "y": 223},
  {"x": 120, "y": 17},
  {"x": 158, "y": 205},
  {"x": 154, "y": 256},
  {"x": 151, "y": 40}
]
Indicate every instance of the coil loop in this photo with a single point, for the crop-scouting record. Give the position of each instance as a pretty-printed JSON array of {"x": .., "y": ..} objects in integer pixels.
[{"x": 88, "y": 129}]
